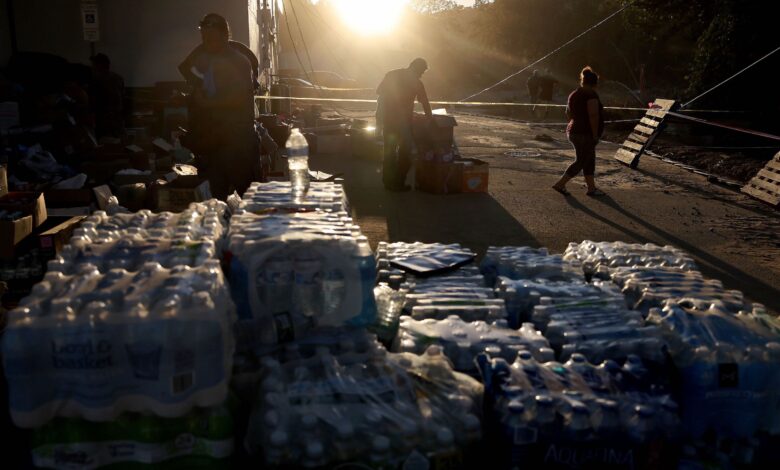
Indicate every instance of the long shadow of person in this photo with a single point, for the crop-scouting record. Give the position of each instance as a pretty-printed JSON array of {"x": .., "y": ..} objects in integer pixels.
[{"x": 709, "y": 264}]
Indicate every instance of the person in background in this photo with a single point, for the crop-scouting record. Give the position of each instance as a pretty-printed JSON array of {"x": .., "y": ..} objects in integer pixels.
[
  {"x": 395, "y": 108},
  {"x": 106, "y": 98},
  {"x": 222, "y": 108},
  {"x": 586, "y": 125},
  {"x": 185, "y": 68},
  {"x": 546, "y": 91}
]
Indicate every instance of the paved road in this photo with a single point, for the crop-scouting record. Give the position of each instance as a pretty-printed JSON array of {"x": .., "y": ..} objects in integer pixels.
[{"x": 732, "y": 237}]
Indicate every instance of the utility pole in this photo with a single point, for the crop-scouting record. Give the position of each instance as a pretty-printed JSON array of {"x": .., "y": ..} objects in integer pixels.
[{"x": 269, "y": 46}]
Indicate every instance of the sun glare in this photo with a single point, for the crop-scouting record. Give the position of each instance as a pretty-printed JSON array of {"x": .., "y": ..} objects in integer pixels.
[{"x": 371, "y": 16}]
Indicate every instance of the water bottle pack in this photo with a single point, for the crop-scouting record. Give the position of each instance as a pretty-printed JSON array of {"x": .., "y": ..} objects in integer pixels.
[
  {"x": 377, "y": 409},
  {"x": 522, "y": 262},
  {"x": 202, "y": 220},
  {"x": 600, "y": 328},
  {"x": 729, "y": 365},
  {"x": 598, "y": 258},
  {"x": 290, "y": 277},
  {"x": 536, "y": 411},
  {"x": 464, "y": 296},
  {"x": 95, "y": 345},
  {"x": 462, "y": 341},
  {"x": 646, "y": 288},
  {"x": 128, "y": 241},
  {"x": 277, "y": 196},
  {"x": 202, "y": 438},
  {"x": 521, "y": 296}
]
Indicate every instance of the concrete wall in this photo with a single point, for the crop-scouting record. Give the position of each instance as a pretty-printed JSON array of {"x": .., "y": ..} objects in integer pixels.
[{"x": 145, "y": 39}]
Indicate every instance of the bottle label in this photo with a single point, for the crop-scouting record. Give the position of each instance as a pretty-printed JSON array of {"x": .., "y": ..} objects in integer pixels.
[{"x": 92, "y": 370}]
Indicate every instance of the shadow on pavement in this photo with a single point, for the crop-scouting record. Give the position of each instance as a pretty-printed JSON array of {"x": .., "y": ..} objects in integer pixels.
[
  {"x": 696, "y": 190},
  {"x": 473, "y": 220},
  {"x": 710, "y": 265}
]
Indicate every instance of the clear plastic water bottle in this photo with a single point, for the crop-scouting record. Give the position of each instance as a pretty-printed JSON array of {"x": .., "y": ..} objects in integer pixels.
[{"x": 298, "y": 163}]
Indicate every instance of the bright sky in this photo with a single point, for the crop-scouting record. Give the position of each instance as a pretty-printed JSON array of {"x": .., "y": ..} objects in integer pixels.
[{"x": 371, "y": 17}]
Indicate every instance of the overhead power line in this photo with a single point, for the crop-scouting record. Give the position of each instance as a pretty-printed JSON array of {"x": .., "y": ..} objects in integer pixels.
[
  {"x": 731, "y": 77},
  {"x": 552, "y": 52}
]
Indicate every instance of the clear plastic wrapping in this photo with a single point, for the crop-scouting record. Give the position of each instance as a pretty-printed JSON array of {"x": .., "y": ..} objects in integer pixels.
[
  {"x": 277, "y": 197},
  {"x": 96, "y": 345},
  {"x": 462, "y": 341},
  {"x": 729, "y": 366},
  {"x": 522, "y": 262},
  {"x": 534, "y": 408},
  {"x": 373, "y": 408},
  {"x": 599, "y": 258}
]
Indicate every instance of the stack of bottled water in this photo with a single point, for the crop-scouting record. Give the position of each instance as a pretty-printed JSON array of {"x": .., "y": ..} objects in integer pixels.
[
  {"x": 277, "y": 196},
  {"x": 521, "y": 296},
  {"x": 133, "y": 316},
  {"x": 157, "y": 340},
  {"x": 290, "y": 274},
  {"x": 369, "y": 407},
  {"x": 598, "y": 258},
  {"x": 536, "y": 409},
  {"x": 462, "y": 341},
  {"x": 464, "y": 296},
  {"x": 201, "y": 439},
  {"x": 597, "y": 327},
  {"x": 730, "y": 367},
  {"x": 522, "y": 262},
  {"x": 646, "y": 288}
]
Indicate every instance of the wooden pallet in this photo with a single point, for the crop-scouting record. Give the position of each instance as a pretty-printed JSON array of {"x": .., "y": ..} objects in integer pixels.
[
  {"x": 644, "y": 133},
  {"x": 765, "y": 186}
]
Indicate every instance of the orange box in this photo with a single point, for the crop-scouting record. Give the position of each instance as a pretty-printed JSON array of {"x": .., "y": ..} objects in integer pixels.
[{"x": 470, "y": 176}]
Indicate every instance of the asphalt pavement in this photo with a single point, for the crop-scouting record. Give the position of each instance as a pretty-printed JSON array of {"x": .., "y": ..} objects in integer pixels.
[{"x": 732, "y": 237}]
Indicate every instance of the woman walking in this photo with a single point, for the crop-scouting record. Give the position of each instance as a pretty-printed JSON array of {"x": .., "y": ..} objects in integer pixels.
[{"x": 586, "y": 124}]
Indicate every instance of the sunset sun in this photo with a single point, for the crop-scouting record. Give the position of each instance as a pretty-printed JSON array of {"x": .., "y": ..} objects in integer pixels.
[{"x": 371, "y": 16}]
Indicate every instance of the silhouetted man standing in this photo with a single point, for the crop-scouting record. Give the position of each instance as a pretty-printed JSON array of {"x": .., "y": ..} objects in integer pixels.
[
  {"x": 395, "y": 108},
  {"x": 223, "y": 109}
]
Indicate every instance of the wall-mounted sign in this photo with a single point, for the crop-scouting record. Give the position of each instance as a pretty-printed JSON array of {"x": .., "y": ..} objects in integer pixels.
[{"x": 89, "y": 20}]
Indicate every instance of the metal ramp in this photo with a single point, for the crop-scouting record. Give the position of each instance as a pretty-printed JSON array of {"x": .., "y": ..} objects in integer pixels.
[
  {"x": 765, "y": 186},
  {"x": 644, "y": 133}
]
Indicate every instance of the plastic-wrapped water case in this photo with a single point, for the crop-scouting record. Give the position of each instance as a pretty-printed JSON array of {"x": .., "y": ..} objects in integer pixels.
[
  {"x": 599, "y": 258},
  {"x": 277, "y": 197},
  {"x": 462, "y": 341},
  {"x": 521, "y": 296},
  {"x": 522, "y": 262},
  {"x": 646, "y": 288},
  {"x": 375, "y": 409},
  {"x": 729, "y": 367},
  {"x": 288, "y": 282},
  {"x": 575, "y": 414},
  {"x": 601, "y": 328},
  {"x": 95, "y": 345}
]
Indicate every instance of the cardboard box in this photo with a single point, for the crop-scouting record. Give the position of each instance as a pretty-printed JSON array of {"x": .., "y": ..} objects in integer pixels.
[
  {"x": 12, "y": 232},
  {"x": 177, "y": 195},
  {"x": 433, "y": 176},
  {"x": 469, "y": 176},
  {"x": 433, "y": 137},
  {"x": 52, "y": 240},
  {"x": 28, "y": 203}
]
